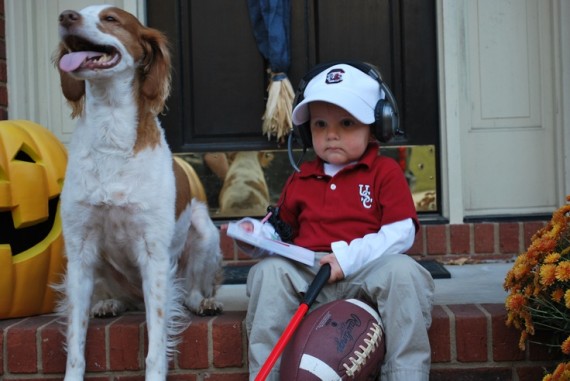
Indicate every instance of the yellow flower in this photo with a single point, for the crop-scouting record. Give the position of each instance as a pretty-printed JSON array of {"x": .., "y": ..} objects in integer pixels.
[
  {"x": 522, "y": 340},
  {"x": 515, "y": 302},
  {"x": 539, "y": 280},
  {"x": 567, "y": 298},
  {"x": 546, "y": 245},
  {"x": 552, "y": 258},
  {"x": 558, "y": 372},
  {"x": 563, "y": 271},
  {"x": 561, "y": 373},
  {"x": 557, "y": 295},
  {"x": 566, "y": 346},
  {"x": 547, "y": 274},
  {"x": 521, "y": 271}
]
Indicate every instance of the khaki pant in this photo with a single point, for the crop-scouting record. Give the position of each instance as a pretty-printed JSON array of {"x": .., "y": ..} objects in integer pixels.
[{"x": 400, "y": 287}]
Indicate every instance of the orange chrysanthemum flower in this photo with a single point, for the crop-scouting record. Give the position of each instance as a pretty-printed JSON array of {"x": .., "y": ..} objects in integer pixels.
[
  {"x": 521, "y": 271},
  {"x": 539, "y": 286},
  {"x": 566, "y": 346},
  {"x": 546, "y": 245},
  {"x": 552, "y": 258},
  {"x": 557, "y": 295},
  {"x": 567, "y": 299},
  {"x": 563, "y": 271},
  {"x": 515, "y": 302},
  {"x": 522, "y": 340},
  {"x": 548, "y": 274}
]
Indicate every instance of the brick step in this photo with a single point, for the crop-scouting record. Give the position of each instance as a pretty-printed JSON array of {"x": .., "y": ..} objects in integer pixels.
[{"x": 470, "y": 342}]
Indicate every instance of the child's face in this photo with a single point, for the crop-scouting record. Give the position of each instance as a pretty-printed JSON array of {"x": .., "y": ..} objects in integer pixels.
[{"x": 338, "y": 137}]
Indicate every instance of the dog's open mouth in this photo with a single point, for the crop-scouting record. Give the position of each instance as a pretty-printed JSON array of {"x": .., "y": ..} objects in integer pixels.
[{"x": 86, "y": 55}]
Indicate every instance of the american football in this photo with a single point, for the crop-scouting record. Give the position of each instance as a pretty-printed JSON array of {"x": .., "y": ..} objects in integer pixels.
[{"x": 340, "y": 340}]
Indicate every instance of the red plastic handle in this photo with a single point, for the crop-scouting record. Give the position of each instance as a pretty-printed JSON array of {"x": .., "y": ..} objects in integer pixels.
[{"x": 314, "y": 288}]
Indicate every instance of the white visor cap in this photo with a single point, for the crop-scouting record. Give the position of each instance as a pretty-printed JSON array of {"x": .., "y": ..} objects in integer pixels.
[{"x": 345, "y": 86}]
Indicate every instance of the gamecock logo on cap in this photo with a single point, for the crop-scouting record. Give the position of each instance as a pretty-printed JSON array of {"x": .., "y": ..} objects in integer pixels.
[{"x": 334, "y": 76}]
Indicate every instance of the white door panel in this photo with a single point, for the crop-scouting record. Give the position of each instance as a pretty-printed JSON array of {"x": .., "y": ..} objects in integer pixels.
[
  {"x": 509, "y": 152},
  {"x": 506, "y": 177}
]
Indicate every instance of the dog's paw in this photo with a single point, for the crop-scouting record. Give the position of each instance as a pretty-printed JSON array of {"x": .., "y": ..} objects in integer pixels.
[
  {"x": 208, "y": 307},
  {"x": 108, "y": 308}
]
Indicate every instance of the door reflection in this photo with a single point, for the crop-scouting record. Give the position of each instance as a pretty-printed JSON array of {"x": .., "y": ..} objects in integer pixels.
[{"x": 245, "y": 183}]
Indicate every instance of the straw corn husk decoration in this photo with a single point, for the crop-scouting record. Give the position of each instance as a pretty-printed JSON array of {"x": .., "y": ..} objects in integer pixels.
[
  {"x": 271, "y": 25},
  {"x": 277, "y": 117}
]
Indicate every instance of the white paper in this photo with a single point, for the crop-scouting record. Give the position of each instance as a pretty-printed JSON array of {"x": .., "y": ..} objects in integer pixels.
[{"x": 296, "y": 253}]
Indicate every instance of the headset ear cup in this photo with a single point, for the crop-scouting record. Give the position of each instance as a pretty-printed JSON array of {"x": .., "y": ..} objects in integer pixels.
[{"x": 385, "y": 124}]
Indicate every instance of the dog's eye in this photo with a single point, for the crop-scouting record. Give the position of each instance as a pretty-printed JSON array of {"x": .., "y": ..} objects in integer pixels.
[{"x": 110, "y": 18}]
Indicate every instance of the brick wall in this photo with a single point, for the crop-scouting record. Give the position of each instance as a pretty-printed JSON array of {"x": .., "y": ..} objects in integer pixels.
[
  {"x": 471, "y": 242},
  {"x": 478, "y": 241},
  {"x": 469, "y": 343}
]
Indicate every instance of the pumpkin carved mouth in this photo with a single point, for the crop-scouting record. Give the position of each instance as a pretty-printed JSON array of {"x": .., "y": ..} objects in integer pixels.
[{"x": 23, "y": 239}]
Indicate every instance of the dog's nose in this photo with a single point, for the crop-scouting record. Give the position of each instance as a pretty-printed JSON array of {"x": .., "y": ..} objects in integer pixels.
[{"x": 68, "y": 18}]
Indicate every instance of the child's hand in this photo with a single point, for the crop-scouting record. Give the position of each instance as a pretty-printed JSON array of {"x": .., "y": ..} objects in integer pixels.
[{"x": 336, "y": 271}]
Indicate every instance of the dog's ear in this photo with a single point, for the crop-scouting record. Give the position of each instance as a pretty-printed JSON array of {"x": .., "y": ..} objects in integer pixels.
[
  {"x": 73, "y": 89},
  {"x": 155, "y": 69}
]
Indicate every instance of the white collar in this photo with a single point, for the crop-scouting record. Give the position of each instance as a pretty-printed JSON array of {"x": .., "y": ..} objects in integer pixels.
[{"x": 332, "y": 169}]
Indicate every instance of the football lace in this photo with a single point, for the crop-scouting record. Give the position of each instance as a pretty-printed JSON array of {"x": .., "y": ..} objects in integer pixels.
[{"x": 371, "y": 345}]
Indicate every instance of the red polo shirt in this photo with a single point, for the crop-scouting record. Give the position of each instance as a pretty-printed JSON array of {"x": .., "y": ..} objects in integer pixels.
[{"x": 357, "y": 201}]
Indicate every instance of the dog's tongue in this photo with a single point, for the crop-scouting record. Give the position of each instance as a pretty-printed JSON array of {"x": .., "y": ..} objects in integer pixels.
[{"x": 71, "y": 61}]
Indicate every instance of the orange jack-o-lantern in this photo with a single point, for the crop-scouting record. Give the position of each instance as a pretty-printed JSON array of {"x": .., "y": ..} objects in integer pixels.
[{"x": 32, "y": 169}]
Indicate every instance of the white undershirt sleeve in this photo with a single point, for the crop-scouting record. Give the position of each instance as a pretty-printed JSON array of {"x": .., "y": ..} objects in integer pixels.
[{"x": 394, "y": 238}]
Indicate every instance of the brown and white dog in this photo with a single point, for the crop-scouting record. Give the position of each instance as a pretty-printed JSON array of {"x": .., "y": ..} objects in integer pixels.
[{"x": 134, "y": 235}]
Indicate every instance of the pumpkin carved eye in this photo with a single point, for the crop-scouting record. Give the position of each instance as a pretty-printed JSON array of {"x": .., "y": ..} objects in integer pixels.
[{"x": 23, "y": 156}]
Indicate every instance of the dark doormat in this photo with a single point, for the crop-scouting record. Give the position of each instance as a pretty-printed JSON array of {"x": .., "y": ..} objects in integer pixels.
[
  {"x": 237, "y": 274},
  {"x": 435, "y": 268}
]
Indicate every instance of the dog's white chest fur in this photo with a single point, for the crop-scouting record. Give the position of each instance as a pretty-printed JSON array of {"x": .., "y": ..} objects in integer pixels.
[{"x": 105, "y": 173}]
